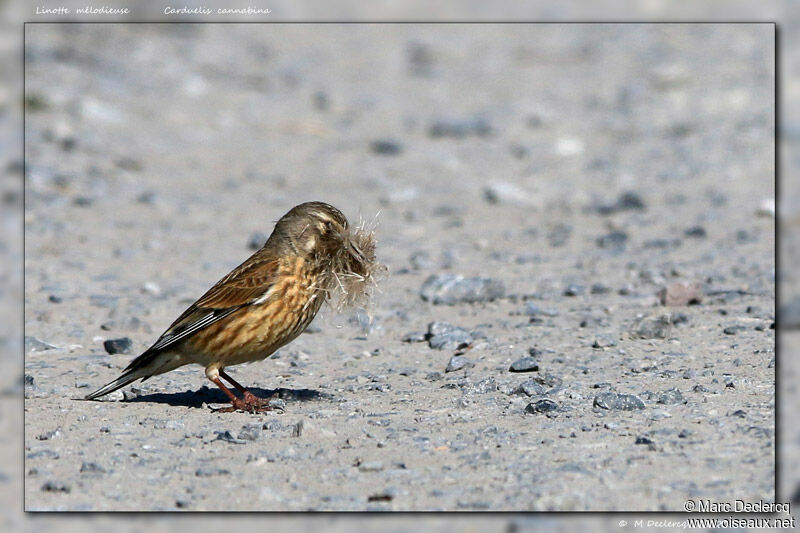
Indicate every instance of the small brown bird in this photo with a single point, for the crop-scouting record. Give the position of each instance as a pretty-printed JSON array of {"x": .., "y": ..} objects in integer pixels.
[{"x": 265, "y": 302}]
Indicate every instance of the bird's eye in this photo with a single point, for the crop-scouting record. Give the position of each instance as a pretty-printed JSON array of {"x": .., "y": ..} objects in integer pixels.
[{"x": 328, "y": 225}]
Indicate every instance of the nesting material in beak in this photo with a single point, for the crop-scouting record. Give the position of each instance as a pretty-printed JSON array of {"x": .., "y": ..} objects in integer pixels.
[{"x": 355, "y": 269}]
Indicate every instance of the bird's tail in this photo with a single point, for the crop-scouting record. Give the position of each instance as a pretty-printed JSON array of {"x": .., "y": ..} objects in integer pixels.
[
  {"x": 146, "y": 365},
  {"x": 127, "y": 377}
]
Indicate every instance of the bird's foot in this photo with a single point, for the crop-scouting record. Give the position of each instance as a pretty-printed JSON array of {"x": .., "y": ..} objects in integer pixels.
[{"x": 250, "y": 404}]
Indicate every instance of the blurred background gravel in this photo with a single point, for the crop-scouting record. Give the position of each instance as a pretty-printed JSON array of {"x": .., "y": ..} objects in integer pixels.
[{"x": 422, "y": 66}]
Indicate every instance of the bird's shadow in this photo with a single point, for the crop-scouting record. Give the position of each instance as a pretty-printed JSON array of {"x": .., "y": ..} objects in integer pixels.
[{"x": 206, "y": 395}]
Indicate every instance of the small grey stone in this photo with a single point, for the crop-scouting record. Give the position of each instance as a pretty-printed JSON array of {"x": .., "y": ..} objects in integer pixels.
[
  {"x": 450, "y": 289},
  {"x": 226, "y": 436},
  {"x": 533, "y": 309},
  {"x": 616, "y": 401},
  {"x": 529, "y": 388},
  {"x": 574, "y": 289},
  {"x": 445, "y": 336},
  {"x": 652, "y": 327},
  {"x": 45, "y": 453},
  {"x": 599, "y": 288},
  {"x": 545, "y": 405},
  {"x": 733, "y": 330},
  {"x": 615, "y": 240},
  {"x": 508, "y": 193},
  {"x": 92, "y": 468},
  {"x": 524, "y": 364},
  {"x": 49, "y": 434},
  {"x": 123, "y": 345},
  {"x": 420, "y": 260},
  {"x": 32, "y": 344},
  {"x": 56, "y": 486},
  {"x": 457, "y": 362},
  {"x": 205, "y": 471},
  {"x": 671, "y": 397},
  {"x": 483, "y": 386},
  {"x": 386, "y": 147},
  {"x": 604, "y": 341},
  {"x": 277, "y": 403},
  {"x": 250, "y": 432},
  {"x": 458, "y": 128},
  {"x": 128, "y": 395},
  {"x": 626, "y": 201},
  {"x": 697, "y": 232}
]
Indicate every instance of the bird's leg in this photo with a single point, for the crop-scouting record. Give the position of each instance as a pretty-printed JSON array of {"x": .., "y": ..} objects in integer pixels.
[
  {"x": 249, "y": 398},
  {"x": 235, "y": 402}
]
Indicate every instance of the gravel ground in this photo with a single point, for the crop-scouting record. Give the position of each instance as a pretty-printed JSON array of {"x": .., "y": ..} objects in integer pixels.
[{"x": 541, "y": 191}]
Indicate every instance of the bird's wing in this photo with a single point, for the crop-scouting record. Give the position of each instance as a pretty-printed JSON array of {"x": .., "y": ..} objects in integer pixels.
[{"x": 243, "y": 286}]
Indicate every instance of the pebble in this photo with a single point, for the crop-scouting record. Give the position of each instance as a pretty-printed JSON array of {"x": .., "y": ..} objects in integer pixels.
[
  {"x": 671, "y": 397},
  {"x": 603, "y": 341},
  {"x": 524, "y": 364},
  {"x": 226, "y": 436},
  {"x": 625, "y": 202},
  {"x": 32, "y": 344},
  {"x": 123, "y": 345},
  {"x": 619, "y": 402},
  {"x": 49, "y": 434},
  {"x": 445, "y": 336},
  {"x": 533, "y": 309},
  {"x": 616, "y": 240},
  {"x": 507, "y": 193},
  {"x": 459, "y": 128},
  {"x": 204, "y": 471},
  {"x": 420, "y": 260},
  {"x": 544, "y": 405},
  {"x": 681, "y": 293},
  {"x": 697, "y": 232},
  {"x": 599, "y": 288},
  {"x": 573, "y": 289},
  {"x": 733, "y": 330},
  {"x": 529, "y": 388},
  {"x": 277, "y": 403},
  {"x": 652, "y": 327},
  {"x": 92, "y": 468},
  {"x": 250, "y": 432},
  {"x": 457, "y": 362},
  {"x": 386, "y": 147},
  {"x": 56, "y": 486},
  {"x": 450, "y": 289}
]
